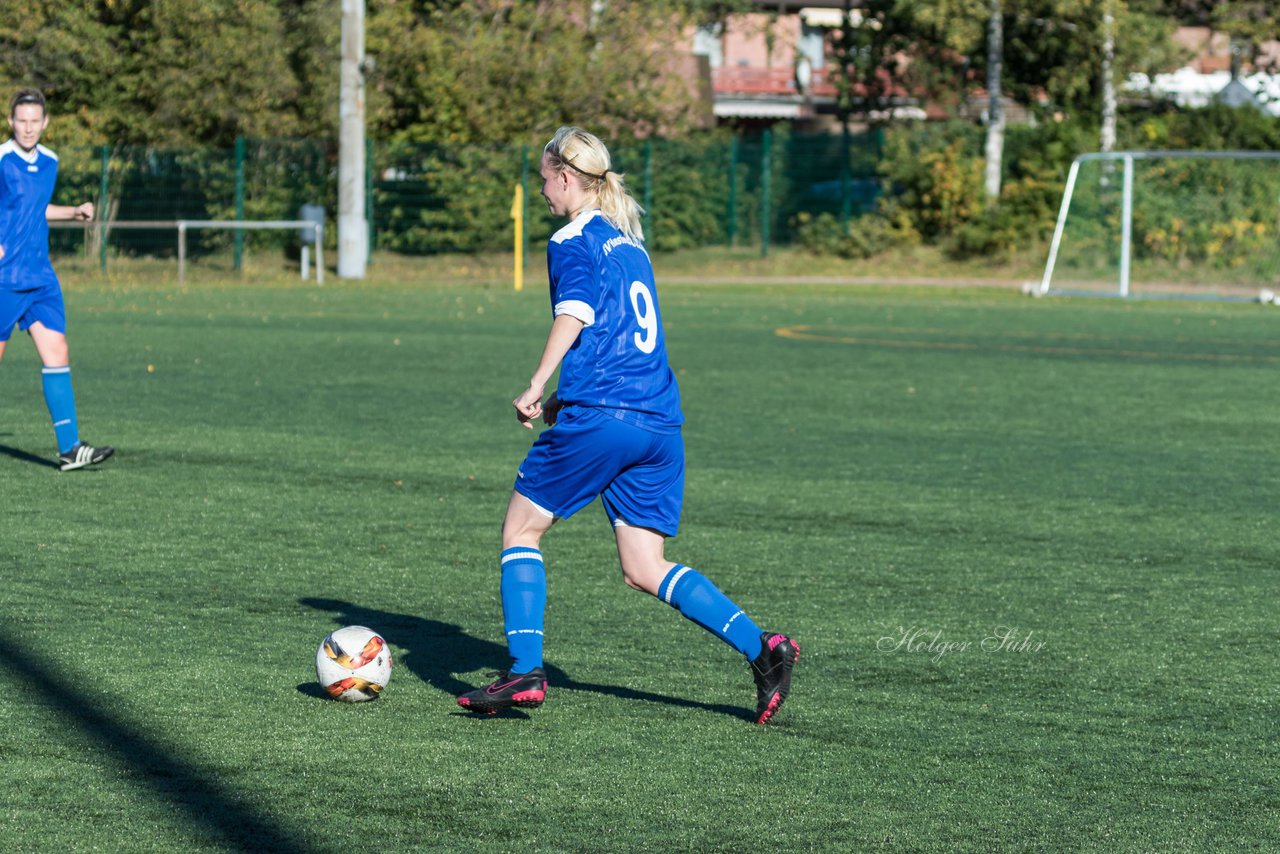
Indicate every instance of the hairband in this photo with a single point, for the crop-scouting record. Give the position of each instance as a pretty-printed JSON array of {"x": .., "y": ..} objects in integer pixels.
[{"x": 569, "y": 162}]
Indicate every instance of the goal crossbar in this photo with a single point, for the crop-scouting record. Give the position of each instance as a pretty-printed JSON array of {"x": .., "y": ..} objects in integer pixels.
[{"x": 1127, "y": 158}]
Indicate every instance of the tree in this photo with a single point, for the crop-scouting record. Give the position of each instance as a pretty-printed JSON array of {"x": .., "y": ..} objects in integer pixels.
[
  {"x": 1249, "y": 23},
  {"x": 1197, "y": 13},
  {"x": 498, "y": 70},
  {"x": 888, "y": 48},
  {"x": 1054, "y": 49},
  {"x": 59, "y": 48},
  {"x": 211, "y": 70},
  {"x": 311, "y": 47},
  {"x": 173, "y": 72},
  {"x": 1065, "y": 53},
  {"x": 1107, "y": 136}
]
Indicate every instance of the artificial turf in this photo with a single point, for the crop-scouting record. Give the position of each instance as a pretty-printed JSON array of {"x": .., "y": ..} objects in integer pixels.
[{"x": 1028, "y": 548}]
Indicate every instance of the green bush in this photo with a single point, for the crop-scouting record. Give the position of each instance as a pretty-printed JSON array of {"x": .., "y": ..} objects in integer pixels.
[
  {"x": 1222, "y": 213},
  {"x": 1024, "y": 214},
  {"x": 935, "y": 175},
  {"x": 1215, "y": 127},
  {"x": 868, "y": 235},
  {"x": 434, "y": 198},
  {"x": 688, "y": 186}
]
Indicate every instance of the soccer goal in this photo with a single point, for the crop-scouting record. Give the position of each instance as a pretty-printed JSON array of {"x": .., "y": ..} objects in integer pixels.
[{"x": 1180, "y": 224}]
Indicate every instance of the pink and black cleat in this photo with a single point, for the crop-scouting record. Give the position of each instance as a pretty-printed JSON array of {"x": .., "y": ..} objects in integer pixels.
[
  {"x": 526, "y": 690},
  {"x": 772, "y": 670}
]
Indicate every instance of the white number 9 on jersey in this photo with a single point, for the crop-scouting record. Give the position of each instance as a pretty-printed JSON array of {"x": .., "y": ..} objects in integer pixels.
[{"x": 646, "y": 317}]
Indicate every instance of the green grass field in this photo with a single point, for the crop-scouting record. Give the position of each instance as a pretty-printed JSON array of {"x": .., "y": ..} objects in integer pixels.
[{"x": 898, "y": 477}]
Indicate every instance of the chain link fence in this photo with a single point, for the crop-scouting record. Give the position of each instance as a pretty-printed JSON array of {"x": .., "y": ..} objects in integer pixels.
[{"x": 718, "y": 189}]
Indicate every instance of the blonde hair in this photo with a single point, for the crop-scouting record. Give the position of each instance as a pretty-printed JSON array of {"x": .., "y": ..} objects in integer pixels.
[{"x": 584, "y": 153}]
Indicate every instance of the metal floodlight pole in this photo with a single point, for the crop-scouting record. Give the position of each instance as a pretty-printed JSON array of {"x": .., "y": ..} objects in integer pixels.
[
  {"x": 353, "y": 228},
  {"x": 993, "y": 169}
]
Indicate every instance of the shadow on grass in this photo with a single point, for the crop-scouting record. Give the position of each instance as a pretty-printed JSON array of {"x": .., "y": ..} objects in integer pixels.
[
  {"x": 174, "y": 782},
  {"x": 436, "y": 652},
  {"x": 27, "y": 457}
]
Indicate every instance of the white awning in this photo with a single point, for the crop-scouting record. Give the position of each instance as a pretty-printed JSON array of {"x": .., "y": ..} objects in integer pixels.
[
  {"x": 816, "y": 16},
  {"x": 747, "y": 109}
]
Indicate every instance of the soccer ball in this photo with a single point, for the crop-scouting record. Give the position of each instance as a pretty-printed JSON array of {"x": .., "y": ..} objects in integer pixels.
[{"x": 353, "y": 664}]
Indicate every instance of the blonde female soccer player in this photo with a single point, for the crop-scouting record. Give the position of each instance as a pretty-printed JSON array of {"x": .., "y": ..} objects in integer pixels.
[{"x": 614, "y": 432}]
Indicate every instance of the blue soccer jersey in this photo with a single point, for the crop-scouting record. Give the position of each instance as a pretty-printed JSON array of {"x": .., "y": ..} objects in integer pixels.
[
  {"x": 605, "y": 279},
  {"x": 26, "y": 187}
]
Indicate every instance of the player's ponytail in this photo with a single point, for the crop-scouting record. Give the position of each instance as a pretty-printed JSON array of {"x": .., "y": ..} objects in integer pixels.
[
  {"x": 620, "y": 208},
  {"x": 576, "y": 149}
]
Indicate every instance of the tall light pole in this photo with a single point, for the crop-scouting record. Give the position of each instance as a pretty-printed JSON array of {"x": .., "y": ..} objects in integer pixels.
[
  {"x": 995, "y": 110},
  {"x": 353, "y": 229}
]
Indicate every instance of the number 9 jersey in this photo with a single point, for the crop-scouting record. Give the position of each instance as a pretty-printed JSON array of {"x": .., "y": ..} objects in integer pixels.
[{"x": 619, "y": 361}]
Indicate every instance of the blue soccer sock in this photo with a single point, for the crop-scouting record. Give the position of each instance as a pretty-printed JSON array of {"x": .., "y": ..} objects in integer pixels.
[
  {"x": 694, "y": 596},
  {"x": 524, "y": 599},
  {"x": 62, "y": 406}
]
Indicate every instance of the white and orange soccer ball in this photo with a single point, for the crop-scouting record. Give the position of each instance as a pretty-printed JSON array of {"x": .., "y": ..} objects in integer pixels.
[{"x": 353, "y": 664}]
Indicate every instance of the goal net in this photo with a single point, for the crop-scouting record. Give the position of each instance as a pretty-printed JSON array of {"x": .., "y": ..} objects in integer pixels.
[{"x": 1196, "y": 224}]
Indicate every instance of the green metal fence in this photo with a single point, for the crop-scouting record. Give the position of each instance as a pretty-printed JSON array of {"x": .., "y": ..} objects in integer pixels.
[{"x": 716, "y": 189}]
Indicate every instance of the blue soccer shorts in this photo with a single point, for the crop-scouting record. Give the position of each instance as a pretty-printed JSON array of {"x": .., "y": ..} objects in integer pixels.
[
  {"x": 41, "y": 305},
  {"x": 638, "y": 473}
]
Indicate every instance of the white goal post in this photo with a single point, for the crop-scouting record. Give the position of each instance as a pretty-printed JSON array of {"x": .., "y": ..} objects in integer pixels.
[
  {"x": 1176, "y": 193},
  {"x": 316, "y": 229}
]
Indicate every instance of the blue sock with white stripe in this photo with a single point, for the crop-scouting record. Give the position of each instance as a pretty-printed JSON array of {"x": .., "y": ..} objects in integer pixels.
[
  {"x": 524, "y": 599},
  {"x": 692, "y": 594},
  {"x": 62, "y": 406}
]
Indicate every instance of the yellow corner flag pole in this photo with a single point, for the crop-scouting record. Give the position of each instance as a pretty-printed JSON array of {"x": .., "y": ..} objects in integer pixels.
[{"x": 517, "y": 213}]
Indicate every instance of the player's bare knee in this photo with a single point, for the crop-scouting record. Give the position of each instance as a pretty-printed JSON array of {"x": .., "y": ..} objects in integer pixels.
[
  {"x": 519, "y": 530},
  {"x": 631, "y": 582},
  {"x": 514, "y": 534},
  {"x": 525, "y": 523},
  {"x": 643, "y": 575}
]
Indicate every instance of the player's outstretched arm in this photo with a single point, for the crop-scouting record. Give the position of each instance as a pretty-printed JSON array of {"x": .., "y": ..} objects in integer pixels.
[{"x": 55, "y": 212}]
